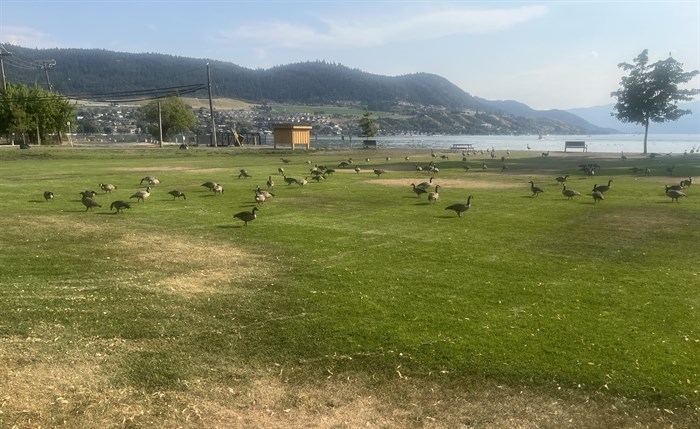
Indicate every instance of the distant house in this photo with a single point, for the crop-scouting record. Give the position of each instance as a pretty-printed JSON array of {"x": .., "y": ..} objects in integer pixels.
[{"x": 292, "y": 135}]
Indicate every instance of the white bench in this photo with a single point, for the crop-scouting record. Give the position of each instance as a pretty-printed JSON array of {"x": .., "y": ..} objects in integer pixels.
[
  {"x": 457, "y": 147},
  {"x": 575, "y": 144}
]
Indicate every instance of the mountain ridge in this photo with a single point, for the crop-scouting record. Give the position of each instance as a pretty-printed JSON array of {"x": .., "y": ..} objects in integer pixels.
[{"x": 430, "y": 102}]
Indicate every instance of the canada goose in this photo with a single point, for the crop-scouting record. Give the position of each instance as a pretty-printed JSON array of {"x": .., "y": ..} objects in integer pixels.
[
  {"x": 107, "y": 187},
  {"x": 562, "y": 179},
  {"x": 426, "y": 185},
  {"x": 673, "y": 187},
  {"x": 89, "y": 203},
  {"x": 379, "y": 171},
  {"x": 675, "y": 194},
  {"x": 142, "y": 195},
  {"x": 687, "y": 182},
  {"x": 285, "y": 160},
  {"x": 597, "y": 196},
  {"x": 150, "y": 180},
  {"x": 303, "y": 181},
  {"x": 434, "y": 196},
  {"x": 545, "y": 154},
  {"x": 246, "y": 216},
  {"x": 244, "y": 174},
  {"x": 460, "y": 208},
  {"x": 603, "y": 188},
  {"x": 418, "y": 190},
  {"x": 119, "y": 206},
  {"x": 270, "y": 182},
  {"x": 177, "y": 194},
  {"x": 290, "y": 180},
  {"x": 357, "y": 169},
  {"x": 266, "y": 194},
  {"x": 419, "y": 168},
  {"x": 48, "y": 195},
  {"x": 280, "y": 171},
  {"x": 88, "y": 194},
  {"x": 260, "y": 198},
  {"x": 209, "y": 185},
  {"x": 569, "y": 193},
  {"x": 218, "y": 189},
  {"x": 343, "y": 164},
  {"x": 535, "y": 189}
]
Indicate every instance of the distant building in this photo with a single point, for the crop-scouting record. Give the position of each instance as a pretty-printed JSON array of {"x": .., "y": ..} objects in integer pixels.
[{"x": 292, "y": 135}]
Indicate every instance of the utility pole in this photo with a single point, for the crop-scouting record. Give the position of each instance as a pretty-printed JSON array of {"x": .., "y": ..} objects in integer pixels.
[
  {"x": 44, "y": 65},
  {"x": 3, "y": 53},
  {"x": 211, "y": 109}
]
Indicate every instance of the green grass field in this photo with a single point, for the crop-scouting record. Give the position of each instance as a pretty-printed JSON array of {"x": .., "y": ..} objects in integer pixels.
[{"x": 350, "y": 302}]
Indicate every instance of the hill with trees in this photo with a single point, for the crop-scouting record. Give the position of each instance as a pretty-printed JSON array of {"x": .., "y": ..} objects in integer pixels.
[{"x": 420, "y": 102}]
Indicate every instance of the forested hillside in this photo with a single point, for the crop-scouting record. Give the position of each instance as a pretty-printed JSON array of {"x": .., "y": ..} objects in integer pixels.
[{"x": 422, "y": 98}]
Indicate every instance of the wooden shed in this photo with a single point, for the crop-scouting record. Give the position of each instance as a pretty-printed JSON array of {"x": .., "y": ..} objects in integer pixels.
[{"x": 292, "y": 135}]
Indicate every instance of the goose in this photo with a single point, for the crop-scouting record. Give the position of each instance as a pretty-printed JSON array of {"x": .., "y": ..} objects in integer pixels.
[
  {"x": 603, "y": 188},
  {"x": 89, "y": 203},
  {"x": 562, "y": 179},
  {"x": 426, "y": 185},
  {"x": 673, "y": 187},
  {"x": 687, "y": 182},
  {"x": 88, "y": 193},
  {"x": 285, "y": 160},
  {"x": 209, "y": 185},
  {"x": 270, "y": 182},
  {"x": 418, "y": 190},
  {"x": 419, "y": 168},
  {"x": 357, "y": 169},
  {"x": 244, "y": 174},
  {"x": 379, "y": 171},
  {"x": 460, "y": 208},
  {"x": 150, "y": 180},
  {"x": 290, "y": 180},
  {"x": 218, "y": 189},
  {"x": 266, "y": 194},
  {"x": 343, "y": 164},
  {"x": 107, "y": 187},
  {"x": 535, "y": 190},
  {"x": 177, "y": 194},
  {"x": 675, "y": 194},
  {"x": 246, "y": 216},
  {"x": 280, "y": 171},
  {"x": 142, "y": 195},
  {"x": 303, "y": 181},
  {"x": 260, "y": 198},
  {"x": 569, "y": 193},
  {"x": 434, "y": 196},
  {"x": 119, "y": 206},
  {"x": 597, "y": 196},
  {"x": 48, "y": 195}
]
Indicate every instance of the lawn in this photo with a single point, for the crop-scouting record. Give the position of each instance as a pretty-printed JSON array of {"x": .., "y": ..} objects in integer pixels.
[{"x": 348, "y": 302}]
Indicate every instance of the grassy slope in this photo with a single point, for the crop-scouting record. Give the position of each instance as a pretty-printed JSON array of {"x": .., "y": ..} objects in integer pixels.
[{"x": 356, "y": 275}]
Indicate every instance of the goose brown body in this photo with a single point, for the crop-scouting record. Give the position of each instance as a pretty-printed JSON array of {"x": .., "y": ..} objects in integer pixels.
[
  {"x": 460, "y": 208},
  {"x": 246, "y": 216}
]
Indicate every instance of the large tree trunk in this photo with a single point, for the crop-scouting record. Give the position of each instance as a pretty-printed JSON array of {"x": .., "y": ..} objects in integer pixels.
[{"x": 646, "y": 134}]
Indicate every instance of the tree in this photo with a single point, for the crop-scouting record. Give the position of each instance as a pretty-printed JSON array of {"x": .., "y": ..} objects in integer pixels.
[
  {"x": 651, "y": 92},
  {"x": 34, "y": 111},
  {"x": 176, "y": 117},
  {"x": 368, "y": 125}
]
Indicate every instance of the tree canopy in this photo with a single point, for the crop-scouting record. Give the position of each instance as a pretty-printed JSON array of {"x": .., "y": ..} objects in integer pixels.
[
  {"x": 368, "y": 125},
  {"x": 651, "y": 92},
  {"x": 174, "y": 117},
  {"x": 34, "y": 112}
]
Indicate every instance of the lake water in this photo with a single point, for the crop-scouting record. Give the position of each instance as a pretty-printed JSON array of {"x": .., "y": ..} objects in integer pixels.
[{"x": 613, "y": 143}]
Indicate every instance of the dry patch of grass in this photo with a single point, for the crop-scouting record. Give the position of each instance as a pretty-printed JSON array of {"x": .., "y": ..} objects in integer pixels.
[
  {"x": 73, "y": 390},
  {"x": 156, "y": 169}
]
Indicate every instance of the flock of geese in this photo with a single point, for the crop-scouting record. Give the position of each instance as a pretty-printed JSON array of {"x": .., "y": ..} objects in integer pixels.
[{"x": 319, "y": 173}]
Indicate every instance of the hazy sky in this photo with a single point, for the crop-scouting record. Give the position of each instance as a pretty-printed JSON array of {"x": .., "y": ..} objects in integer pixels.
[{"x": 547, "y": 54}]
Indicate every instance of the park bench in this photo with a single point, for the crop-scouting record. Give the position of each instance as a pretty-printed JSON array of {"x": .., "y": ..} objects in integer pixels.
[
  {"x": 369, "y": 144},
  {"x": 457, "y": 147},
  {"x": 575, "y": 144}
]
